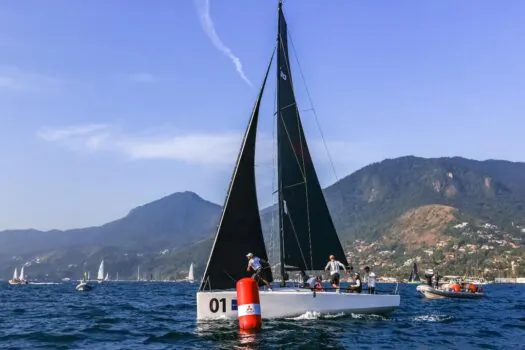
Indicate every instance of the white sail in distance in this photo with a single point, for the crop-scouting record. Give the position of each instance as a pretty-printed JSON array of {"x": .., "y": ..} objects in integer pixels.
[
  {"x": 100, "y": 275},
  {"x": 190, "y": 274}
]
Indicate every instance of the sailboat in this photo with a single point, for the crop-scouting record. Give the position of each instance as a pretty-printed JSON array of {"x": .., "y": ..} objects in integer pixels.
[
  {"x": 22, "y": 278},
  {"x": 107, "y": 277},
  {"x": 83, "y": 286},
  {"x": 100, "y": 275},
  {"x": 190, "y": 277},
  {"x": 18, "y": 279},
  {"x": 307, "y": 235},
  {"x": 414, "y": 275}
]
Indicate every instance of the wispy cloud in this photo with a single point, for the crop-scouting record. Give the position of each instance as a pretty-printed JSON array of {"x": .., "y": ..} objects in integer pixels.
[
  {"x": 203, "y": 8},
  {"x": 50, "y": 134},
  {"x": 192, "y": 148},
  {"x": 89, "y": 137},
  {"x": 143, "y": 77},
  {"x": 210, "y": 149},
  {"x": 14, "y": 79}
]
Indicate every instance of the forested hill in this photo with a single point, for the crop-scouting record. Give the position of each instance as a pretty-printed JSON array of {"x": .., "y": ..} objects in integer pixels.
[{"x": 406, "y": 205}]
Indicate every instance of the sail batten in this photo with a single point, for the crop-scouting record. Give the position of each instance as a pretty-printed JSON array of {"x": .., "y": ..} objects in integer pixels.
[
  {"x": 239, "y": 231},
  {"x": 308, "y": 235}
]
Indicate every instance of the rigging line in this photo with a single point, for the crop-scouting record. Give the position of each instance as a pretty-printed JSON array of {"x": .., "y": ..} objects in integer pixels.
[
  {"x": 296, "y": 237},
  {"x": 292, "y": 145},
  {"x": 227, "y": 274},
  {"x": 302, "y": 145},
  {"x": 313, "y": 108}
]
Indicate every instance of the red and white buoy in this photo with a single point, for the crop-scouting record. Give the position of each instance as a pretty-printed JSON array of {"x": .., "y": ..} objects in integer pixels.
[{"x": 248, "y": 305}]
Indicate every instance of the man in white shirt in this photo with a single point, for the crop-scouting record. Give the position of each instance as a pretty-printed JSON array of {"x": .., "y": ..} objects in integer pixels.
[
  {"x": 254, "y": 263},
  {"x": 371, "y": 280},
  {"x": 372, "y": 283},
  {"x": 334, "y": 267},
  {"x": 310, "y": 283}
]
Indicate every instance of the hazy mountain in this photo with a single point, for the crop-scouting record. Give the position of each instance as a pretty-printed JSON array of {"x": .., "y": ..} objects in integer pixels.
[
  {"x": 407, "y": 202},
  {"x": 173, "y": 221}
]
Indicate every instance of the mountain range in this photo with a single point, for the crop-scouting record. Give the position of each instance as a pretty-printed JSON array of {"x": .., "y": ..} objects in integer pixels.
[{"x": 406, "y": 204}]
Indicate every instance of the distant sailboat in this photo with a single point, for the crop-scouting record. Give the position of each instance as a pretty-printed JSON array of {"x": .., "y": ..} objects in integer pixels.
[
  {"x": 21, "y": 277},
  {"x": 83, "y": 286},
  {"x": 414, "y": 275},
  {"x": 100, "y": 275},
  {"x": 190, "y": 277},
  {"x": 18, "y": 279},
  {"x": 14, "y": 280},
  {"x": 107, "y": 277}
]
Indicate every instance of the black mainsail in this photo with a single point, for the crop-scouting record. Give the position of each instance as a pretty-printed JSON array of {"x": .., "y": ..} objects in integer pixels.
[
  {"x": 414, "y": 275},
  {"x": 239, "y": 231},
  {"x": 307, "y": 232}
]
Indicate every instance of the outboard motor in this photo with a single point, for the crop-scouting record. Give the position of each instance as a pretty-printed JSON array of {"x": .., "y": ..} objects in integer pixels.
[{"x": 429, "y": 273}]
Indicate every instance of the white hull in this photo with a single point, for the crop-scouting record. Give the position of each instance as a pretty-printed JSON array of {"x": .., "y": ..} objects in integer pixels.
[
  {"x": 83, "y": 287},
  {"x": 290, "y": 302},
  {"x": 14, "y": 282}
]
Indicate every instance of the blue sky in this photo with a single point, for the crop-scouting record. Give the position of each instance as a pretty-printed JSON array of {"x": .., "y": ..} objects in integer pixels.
[{"x": 105, "y": 106}]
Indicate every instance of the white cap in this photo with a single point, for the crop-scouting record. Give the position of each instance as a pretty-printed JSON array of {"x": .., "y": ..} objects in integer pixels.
[
  {"x": 372, "y": 274},
  {"x": 249, "y": 255}
]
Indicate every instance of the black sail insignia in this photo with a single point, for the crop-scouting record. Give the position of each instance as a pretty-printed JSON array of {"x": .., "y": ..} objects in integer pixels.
[
  {"x": 308, "y": 235},
  {"x": 239, "y": 231}
]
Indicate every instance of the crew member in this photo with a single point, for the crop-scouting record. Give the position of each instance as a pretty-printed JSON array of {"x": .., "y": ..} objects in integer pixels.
[
  {"x": 357, "y": 286},
  {"x": 334, "y": 267},
  {"x": 254, "y": 263}
]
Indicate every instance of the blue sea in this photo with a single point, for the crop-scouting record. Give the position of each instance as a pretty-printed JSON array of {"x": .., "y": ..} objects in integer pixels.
[{"x": 151, "y": 315}]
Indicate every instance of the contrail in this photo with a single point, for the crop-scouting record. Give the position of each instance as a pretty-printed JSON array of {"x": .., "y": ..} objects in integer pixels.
[{"x": 203, "y": 7}]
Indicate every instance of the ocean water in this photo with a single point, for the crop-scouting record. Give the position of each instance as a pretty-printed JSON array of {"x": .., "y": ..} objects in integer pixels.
[{"x": 162, "y": 316}]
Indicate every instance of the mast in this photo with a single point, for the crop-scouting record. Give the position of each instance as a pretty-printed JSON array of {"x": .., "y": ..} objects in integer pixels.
[
  {"x": 307, "y": 232},
  {"x": 279, "y": 167}
]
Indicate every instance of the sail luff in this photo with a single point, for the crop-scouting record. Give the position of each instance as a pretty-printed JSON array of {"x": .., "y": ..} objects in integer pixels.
[{"x": 239, "y": 231}]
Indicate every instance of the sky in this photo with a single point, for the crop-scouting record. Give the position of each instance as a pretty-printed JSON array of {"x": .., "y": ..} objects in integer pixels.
[{"x": 106, "y": 105}]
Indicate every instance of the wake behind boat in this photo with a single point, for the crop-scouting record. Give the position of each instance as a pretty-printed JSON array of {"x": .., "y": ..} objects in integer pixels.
[{"x": 307, "y": 236}]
